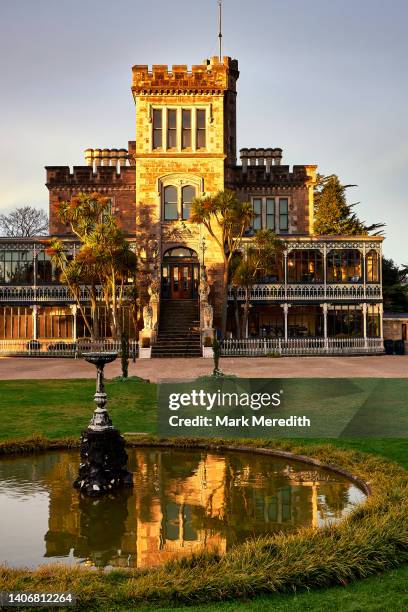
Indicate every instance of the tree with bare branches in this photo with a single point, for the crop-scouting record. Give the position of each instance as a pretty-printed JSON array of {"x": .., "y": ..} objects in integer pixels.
[{"x": 24, "y": 222}]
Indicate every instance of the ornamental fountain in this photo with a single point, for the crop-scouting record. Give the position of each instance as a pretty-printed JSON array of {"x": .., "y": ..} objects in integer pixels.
[{"x": 103, "y": 456}]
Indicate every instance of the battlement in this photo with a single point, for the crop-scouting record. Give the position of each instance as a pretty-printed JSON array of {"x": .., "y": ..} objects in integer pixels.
[
  {"x": 60, "y": 177},
  {"x": 212, "y": 76},
  {"x": 263, "y": 175}
]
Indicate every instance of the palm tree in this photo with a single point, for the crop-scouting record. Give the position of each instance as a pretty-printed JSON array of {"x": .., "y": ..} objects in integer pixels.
[
  {"x": 259, "y": 258},
  {"x": 225, "y": 218}
]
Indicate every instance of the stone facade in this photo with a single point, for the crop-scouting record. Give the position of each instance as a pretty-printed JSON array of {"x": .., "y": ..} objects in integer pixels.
[{"x": 185, "y": 146}]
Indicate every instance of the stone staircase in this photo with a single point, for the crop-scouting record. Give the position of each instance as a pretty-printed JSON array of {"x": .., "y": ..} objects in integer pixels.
[{"x": 179, "y": 330}]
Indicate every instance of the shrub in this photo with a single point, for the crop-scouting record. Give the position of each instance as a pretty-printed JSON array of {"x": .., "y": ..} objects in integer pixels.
[
  {"x": 34, "y": 345},
  {"x": 124, "y": 354}
]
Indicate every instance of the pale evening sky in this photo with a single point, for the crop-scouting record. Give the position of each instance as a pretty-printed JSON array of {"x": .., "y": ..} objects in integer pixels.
[{"x": 324, "y": 80}]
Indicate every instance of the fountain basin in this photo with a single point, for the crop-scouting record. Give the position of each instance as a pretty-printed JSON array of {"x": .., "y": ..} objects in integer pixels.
[{"x": 183, "y": 501}]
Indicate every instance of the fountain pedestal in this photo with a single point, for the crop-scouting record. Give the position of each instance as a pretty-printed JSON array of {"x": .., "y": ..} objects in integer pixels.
[{"x": 103, "y": 455}]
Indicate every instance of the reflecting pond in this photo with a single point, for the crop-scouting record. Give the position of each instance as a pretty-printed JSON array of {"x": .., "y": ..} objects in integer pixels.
[{"x": 182, "y": 501}]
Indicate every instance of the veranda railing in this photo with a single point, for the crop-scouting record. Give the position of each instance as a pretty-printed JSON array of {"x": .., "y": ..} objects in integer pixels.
[
  {"x": 256, "y": 347},
  {"x": 61, "y": 348}
]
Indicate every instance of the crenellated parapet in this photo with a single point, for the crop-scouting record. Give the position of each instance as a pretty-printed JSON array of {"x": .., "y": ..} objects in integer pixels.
[
  {"x": 61, "y": 177},
  {"x": 212, "y": 76}
]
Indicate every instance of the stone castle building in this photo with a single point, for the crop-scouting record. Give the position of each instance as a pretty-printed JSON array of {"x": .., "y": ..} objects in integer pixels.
[{"x": 324, "y": 295}]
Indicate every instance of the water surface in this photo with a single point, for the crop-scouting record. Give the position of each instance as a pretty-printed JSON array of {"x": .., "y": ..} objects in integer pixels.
[{"x": 182, "y": 501}]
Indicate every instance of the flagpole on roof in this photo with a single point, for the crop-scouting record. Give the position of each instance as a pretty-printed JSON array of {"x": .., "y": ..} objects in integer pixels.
[{"x": 220, "y": 28}]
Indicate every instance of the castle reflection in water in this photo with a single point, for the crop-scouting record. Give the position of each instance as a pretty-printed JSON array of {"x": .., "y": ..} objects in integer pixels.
[{"x": 184, "y": 501}]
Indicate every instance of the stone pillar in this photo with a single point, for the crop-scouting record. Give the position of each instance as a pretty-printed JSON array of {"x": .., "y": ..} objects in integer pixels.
[
  {"x": 277, "y": 156},
  {"x": 35, "y": 330},
  {"x": 105, "y": 157},
  {"x": 364, "y": 311},
  {"x": 97, "y": 157},
  {"x": 268, "y": 160},
  {"x": 74, "y": 309},
  {"x": 252, "y": 157},
  {"x": 261, "y": 157},
  {"x": 122, "y": 156},
  {"x": 244, "y": 159},
  {"x": 89, "y": 157},
  {"x": 114, "y": 154}
]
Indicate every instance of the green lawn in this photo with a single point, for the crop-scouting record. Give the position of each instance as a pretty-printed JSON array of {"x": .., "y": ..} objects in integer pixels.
[{"x": 59, "y": 408}]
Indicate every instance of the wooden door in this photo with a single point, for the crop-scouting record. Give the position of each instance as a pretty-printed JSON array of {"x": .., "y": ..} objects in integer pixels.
[{"x": 181, "y": 281}]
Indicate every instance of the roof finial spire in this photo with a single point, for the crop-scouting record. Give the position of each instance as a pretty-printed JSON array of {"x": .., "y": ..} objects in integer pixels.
[{"x": 220, "y": 28}]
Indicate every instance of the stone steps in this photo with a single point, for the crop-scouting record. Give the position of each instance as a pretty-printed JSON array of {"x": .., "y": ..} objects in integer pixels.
[{"x": 178, "y": 333}]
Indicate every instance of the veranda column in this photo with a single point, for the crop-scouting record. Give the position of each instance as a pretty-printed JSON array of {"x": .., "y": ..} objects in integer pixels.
[
  {"x": 285, "y": 316},
  {"x": 325, "y": 307},
  {"x": 364, "y": 273},
  {"x": 74, "y": 309},
  {"x": 325, "y": 269},
  {"x": 380, "y": 310},
  {"x": 35, "y": 332},
  {"x": 364, "y": 310},
  {"x": 285, "y": 264}
]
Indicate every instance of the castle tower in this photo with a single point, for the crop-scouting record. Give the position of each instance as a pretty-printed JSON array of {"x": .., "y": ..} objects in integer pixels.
[{"x": 185, "y": 141}]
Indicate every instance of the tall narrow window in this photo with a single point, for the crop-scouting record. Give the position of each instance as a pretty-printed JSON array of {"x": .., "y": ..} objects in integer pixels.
[
  {"x": 171, "y": 129},
  {"x": 283, "y": 215},
  {"x": 157, "y": 129},
  {"x": 187, "y": 195},
  {"x": 201, "y": 129},
  {"x": 186, "y": 129},
  {"x": 270, "y": 214},
  {"x": 170, "y": 203},
  {"x": 257, "y": 210}
]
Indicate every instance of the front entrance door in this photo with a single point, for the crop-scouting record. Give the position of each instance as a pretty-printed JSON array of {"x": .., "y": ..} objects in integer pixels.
[
  {"x": 181, "y": 281},
  {"x": 180, "y": 273}
]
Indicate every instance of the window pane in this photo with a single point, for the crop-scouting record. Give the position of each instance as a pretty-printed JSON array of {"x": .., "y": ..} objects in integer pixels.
[
  {"x": 187, "y": 195},
  {"x": 270, "y": 213},
  {"x": 157, "y": 128},
  {"x": 201, "y": 129},
  {"x": 257, "y": 209},
  {"x": 283, "y": 214},
  {"x": 171, "y": 129},
  {"x": 170, "y": 203},
  {"x": 270, "y": 206},
  {"x": 186, "y": 135}
]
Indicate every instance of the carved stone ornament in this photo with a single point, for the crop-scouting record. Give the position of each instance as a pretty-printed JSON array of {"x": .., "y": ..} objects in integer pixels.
[
  {"x": 208, "y": 316},
  {"x": 154, "y": 289},
  {"x": 204, "y": 290},
  {"x": 148, "y": 316}
]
